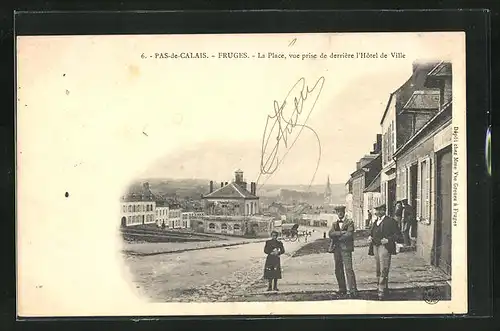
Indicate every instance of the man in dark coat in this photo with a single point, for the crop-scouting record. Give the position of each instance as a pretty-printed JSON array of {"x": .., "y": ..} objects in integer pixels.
[
  {"x": 342, "y": 247},
  {"x": 409, "y": 222},
  {"x": 382, "y": 239}
]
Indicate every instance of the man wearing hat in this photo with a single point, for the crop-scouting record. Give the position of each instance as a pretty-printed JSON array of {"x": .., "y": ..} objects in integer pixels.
[
  {"x": 383, "y": 236},
  {"x": 342, "y": 247}
]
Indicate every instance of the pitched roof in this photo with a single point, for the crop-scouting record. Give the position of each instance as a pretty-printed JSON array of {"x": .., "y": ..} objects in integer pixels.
[
  {"x": 441, "y": 69},
  {"x": 374, "y": 186},
  {"x": 415, "y": 81},
  {"x": 424, "y": 99},
  {"x": 231, "y": 191}
]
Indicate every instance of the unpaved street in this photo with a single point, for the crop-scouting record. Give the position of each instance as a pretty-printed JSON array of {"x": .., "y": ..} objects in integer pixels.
[{"x": 202, "y": 275}]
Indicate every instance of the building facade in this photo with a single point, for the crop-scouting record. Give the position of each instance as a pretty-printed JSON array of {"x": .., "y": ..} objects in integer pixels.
[
  {"x": 232, "y": 199},
  {"x": 367, "y": 169},
  {"x": 174, "y": 217},
  {"x": 135, "y": 210},
  {"x": 396, "y": 128},
  {"x": 372, "y": 198},
  {"x": 424, "y": 163},
  {"x": 162, "y": 212},
  {"x": 348, "y": 198},
  {"x": 319, "y": 219},
  {"x": 233, "y": 210},
  {"x": 186, "y": 217}
]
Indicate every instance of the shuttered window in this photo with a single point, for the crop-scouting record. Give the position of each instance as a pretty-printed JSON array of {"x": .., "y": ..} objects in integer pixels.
[
  {"x": 418, "y": 208},
  {"x": 427, "y": 192},
  {"x": 424, "y": 190}
]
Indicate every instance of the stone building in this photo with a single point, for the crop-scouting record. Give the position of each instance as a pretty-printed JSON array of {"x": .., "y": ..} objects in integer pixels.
[
  {"x": 233, "y": 210},
  {"x": 424, "y": 163},
  {"x": 396, "y": 127},
  {"x": 367, "y": 169},
  {"x": 137, "y": 210},
  {"x": 162, "y": 212}
]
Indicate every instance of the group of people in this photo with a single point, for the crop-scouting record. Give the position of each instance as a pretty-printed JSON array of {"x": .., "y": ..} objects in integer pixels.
[{"x": 384, "y": 233}]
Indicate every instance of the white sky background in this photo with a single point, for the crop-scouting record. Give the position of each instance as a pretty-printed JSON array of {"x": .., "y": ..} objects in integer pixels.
[
  {"x": 84, "y": 103},
  {"x": 187, "y": 107}
]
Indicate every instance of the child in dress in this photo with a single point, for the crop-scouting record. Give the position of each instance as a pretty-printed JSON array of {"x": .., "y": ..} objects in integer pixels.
[{"x": 272, "y": 268}]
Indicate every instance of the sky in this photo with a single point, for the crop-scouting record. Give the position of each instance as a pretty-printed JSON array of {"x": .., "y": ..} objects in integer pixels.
[
  {"x": 166, "y": 118},
  {"x": 230, "y": 102}
]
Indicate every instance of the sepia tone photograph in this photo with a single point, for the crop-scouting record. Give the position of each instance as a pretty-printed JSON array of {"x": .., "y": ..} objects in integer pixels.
[{"x": 242, "y": 174}]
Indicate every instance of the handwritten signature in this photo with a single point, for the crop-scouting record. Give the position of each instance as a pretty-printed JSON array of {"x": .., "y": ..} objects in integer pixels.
[{"x": 283, "y": 122}]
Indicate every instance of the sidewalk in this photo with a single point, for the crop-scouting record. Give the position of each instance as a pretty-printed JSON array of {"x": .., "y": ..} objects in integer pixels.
[
  {"x": 314, "y": 273},
  {"x": 146, "y": 249}
]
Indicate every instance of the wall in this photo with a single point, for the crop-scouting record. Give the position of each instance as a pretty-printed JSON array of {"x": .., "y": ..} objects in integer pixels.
[
  {"x": 134, "y": 212},
  {"x": 348, "y": 205},
  {"x": 389, "y": 123},
  {"x": 162, "y": 215},
  {"x": 424, "y": 147},
  {"x": 370, "y": 201},
  {"x": 174, "y": 218},
  {"x": 358, "y": 185},
  {"x": 225, "y": 227},
  {"x": 409, "y": 123},
  {"x": 447, "y": 90},
  {"x": 232, "y": 207}
]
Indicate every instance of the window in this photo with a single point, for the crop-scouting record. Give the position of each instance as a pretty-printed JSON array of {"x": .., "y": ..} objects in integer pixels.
[
  {"x": 211, "y": 226},
  {"x": 236, "y": 227},
  {"x": 393, "y": 139},
  {"x": 223, "y": 226},
  {"x": 129, "y": 208},
  {"x": 423, "y": 209},
  {"x": 385, "y": 148}
]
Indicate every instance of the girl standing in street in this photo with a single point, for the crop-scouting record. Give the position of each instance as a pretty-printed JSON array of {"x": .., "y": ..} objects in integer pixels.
[{"x": 272, "y": 268}]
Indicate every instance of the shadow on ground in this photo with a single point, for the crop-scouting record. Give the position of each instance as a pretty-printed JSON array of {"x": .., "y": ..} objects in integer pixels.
[{"x": 429, "y": 294}]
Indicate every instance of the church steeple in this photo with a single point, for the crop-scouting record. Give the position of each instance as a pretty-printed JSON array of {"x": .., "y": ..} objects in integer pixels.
[{"x": 328, "y": 192}]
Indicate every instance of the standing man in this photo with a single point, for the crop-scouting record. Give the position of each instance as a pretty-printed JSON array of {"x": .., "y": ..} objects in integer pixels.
[
  {"x": 384, "y": 233},
  {"x": 398, "y": 213},
  {"x": 342, "y": 247},
  {"x": 408, "y": 222}
]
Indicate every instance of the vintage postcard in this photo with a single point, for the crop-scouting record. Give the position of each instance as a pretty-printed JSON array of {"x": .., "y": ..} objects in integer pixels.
[{"x": 248, "y": 174}]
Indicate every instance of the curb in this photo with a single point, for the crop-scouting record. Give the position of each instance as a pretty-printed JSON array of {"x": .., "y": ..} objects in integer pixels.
[{"x": 133, "y": 253}]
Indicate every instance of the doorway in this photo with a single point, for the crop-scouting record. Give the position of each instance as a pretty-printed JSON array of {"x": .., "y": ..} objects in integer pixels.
[
  {"x": 443, "y": 220},
  {"x": 124, "y": 222},
  {"x": 412, "y": 200}
]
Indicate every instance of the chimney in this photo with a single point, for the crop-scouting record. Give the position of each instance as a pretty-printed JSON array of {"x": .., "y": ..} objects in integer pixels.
[
  {"x": 379, "y": 143},
  {"x": 358, "y": 165},
  {"x": 211, "y": 186}
]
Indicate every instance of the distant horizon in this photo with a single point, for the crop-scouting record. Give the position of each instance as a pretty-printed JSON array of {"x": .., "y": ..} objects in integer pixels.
[{"x": 143, "y": 179}]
